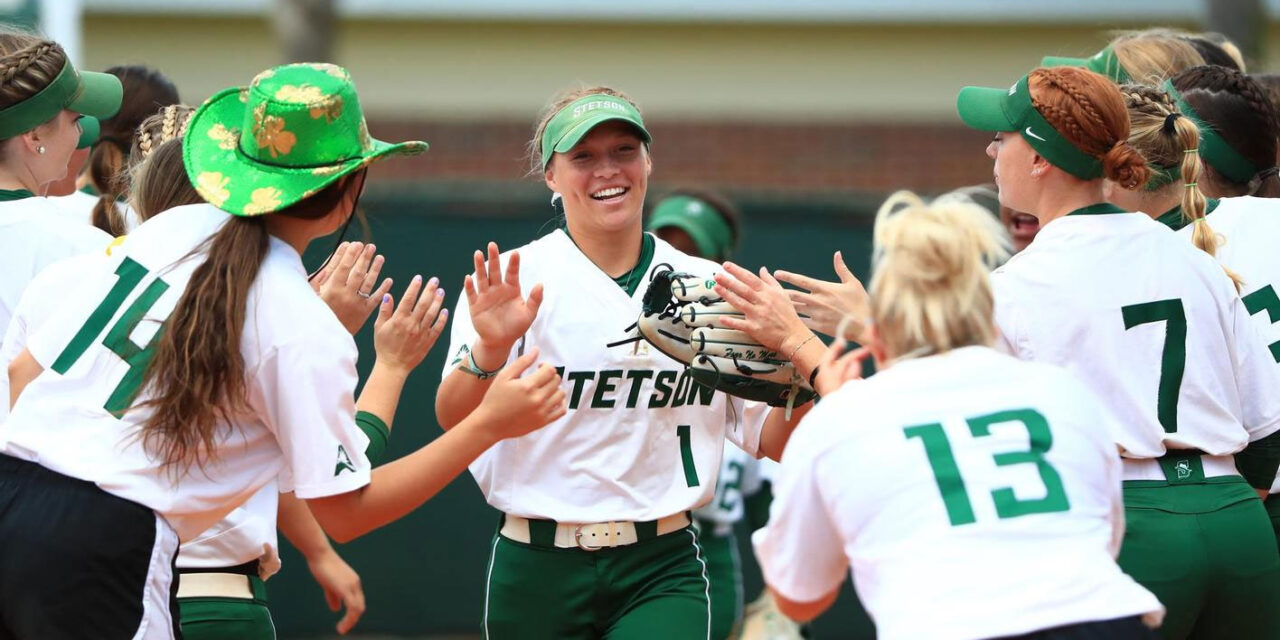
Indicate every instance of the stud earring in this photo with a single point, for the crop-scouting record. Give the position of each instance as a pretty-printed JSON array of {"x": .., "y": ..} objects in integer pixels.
[{"x": 40, "y": 149}]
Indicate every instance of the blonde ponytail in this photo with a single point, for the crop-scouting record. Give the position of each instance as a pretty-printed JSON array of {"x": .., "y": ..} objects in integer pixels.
[
  {"x": 930, "y": 292},
  {"x": 1168, "y": 138}
]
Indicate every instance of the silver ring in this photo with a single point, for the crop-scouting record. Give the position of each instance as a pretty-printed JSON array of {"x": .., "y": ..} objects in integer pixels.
[{"x": 364, "y": 295}]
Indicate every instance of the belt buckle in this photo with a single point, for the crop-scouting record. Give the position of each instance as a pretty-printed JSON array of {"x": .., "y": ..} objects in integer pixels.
[{"x": 577, "y": 537}]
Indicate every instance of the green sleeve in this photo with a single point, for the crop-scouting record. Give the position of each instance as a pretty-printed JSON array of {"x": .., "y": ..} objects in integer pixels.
[
  {"x": 1259, "y": 461},
  {"x": 377, "y": 431}
]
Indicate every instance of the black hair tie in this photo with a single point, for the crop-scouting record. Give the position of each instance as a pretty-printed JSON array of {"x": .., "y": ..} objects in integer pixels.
[{"x": 1169, "y": 127}]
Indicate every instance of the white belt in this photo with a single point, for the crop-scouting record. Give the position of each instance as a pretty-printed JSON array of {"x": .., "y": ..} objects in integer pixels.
[
  {"x": 591, "y": 536},
  {"x": 1150, "y": 469},
  {"x": 214, "y": 585}
]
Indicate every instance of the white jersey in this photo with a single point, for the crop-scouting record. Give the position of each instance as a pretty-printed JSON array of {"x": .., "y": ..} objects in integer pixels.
[
  {"x": 739, "y": 477},
  {"x": 299, "y": 364},
  {"x": 77, "y": 206},
  {"x": 974, "y": 496},
  {"x": 641, "y": 440},
  {"x": 1246, "y": 228},
  {"x": 1151, "y": 324},
  {"x": 249, "y": 532},
  {"x": 32, "y": 237}
]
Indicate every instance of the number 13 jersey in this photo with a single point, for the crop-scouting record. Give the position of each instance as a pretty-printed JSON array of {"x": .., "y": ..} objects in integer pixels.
[{"x": 1149, "y": 323}]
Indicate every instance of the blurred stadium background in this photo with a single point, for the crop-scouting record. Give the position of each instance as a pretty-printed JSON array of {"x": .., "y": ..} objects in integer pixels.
[{"x": 806, "y": 112}]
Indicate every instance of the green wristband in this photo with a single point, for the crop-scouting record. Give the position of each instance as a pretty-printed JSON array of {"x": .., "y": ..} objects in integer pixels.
[{"x": 377, "y": 432}]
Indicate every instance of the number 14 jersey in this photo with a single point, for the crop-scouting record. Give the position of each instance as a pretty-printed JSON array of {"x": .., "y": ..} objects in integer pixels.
[{"x": 1149, "y": 323}]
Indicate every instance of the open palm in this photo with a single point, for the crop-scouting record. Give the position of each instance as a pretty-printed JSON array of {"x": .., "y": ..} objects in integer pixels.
[{"x": 499, "y": 313}]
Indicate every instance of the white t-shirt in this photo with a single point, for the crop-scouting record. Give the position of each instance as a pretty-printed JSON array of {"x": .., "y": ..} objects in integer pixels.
[
  {"x": 974, "y": 496},
  {"x": 32, "y": 237},
  {"x": 246, "y": 534},
  {"x": 641, "y": 440},
  {"x": 739, "y": 478},
  {"x": 1189, "y": 371},
  {"x": 1246, "y": 228},
  {"x": 300, "y": 378}
]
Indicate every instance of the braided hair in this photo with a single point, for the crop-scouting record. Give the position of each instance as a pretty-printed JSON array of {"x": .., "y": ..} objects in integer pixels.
[
  {"x": 1241, "y": 112},
  {"x": 146, "y": 90},
  {"x": 1170, "y": 140},
  {"x": 157, "y": 176},
  {"x": 1086, "y": 108}
]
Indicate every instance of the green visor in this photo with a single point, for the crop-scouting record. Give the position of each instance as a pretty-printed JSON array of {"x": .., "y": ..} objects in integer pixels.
[
  {"x": 568, "y": 126},
  {"x": 1010, "y": 109},
  {"x": 1213, "y": 149},
  {"x": 90, "y": 129},
  {"x": 708, "y": 229},
  {"x": 88, "y": 93},
  {"x": 1104, "y": 62}
]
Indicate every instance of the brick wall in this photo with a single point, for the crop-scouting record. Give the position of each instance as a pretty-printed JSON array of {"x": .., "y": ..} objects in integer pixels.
[{"x": 779, "y": 158}]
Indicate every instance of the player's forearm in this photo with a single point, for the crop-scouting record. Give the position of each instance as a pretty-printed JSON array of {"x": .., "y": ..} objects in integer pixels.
[
  {"x": 777, "y": 429},
  {"x": 459, "y": 394},
  {"x": 381, "y": 393},
  {"x": 300, "y": 527},
  {"x": 402, "y": 486},
  {"x": 807, "y": 356}
]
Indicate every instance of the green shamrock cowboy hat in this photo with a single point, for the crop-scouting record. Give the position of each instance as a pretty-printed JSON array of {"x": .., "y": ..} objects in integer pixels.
[{"x": 292, "y": 132}]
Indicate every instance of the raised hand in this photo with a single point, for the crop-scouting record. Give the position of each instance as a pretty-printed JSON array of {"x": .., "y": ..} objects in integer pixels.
[
  {"x": 499, "y": 313},
  {"x": 767, "y": 314},
  {"x": 823, "y": 304},
  {"x": 514, "y": 406},
  {"x": 403, "y": 334},
  {"x": 346, "y": 283}
]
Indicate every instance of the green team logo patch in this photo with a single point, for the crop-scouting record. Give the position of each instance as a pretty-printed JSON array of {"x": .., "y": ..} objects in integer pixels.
[
  {"x": 344, "y": 462},
  {"x": 1183, "y": 469}
]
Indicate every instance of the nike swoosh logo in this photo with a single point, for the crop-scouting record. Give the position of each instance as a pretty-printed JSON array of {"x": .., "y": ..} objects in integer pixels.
[{"x": 1035, "y": 136}]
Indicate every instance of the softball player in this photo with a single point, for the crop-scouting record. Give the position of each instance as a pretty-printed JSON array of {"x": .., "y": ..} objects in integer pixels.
[
  {"x": 264, "y": 394},
  {"x": 595, "y": 538},
  {"x": 964, "y": 466},
  {"x": 1241, "y": 133},
  {"x": 42, "y": 99},
  {"x": 1157, "y": 331}
]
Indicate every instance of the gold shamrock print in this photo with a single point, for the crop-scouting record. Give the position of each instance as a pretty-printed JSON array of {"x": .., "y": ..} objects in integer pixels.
[
  {"x": 212, "y": 186},
  {"x": 330, "y": 108},
  {"x": 225, "y": 137},
  {"x": 263, "y": 200},
  {"x": 272, "y": 135},
  {"x": 306, "y": 94}
]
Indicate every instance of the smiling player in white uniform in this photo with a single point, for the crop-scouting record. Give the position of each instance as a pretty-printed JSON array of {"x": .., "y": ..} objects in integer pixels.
[
  {"x": 641, "y": 443},
  {"x": 973, "y": 495}
]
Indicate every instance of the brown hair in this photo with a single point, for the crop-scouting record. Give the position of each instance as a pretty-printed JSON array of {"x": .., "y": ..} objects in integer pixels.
[
  {"x": 1152, "y": 55},
  {"x": 1087, "y": 109},
  {"x": 1241, "y": 113},
  {"x": 1168, "y": 140},
  {"x": 28, "y": 64},
  {"x": 157, "y": 175},
  {"x": 931, "y": 290},
  {"x": 146, "y": 90},
  {"x": 536, "y": 161},
  {"x": 196, "y": 376}
]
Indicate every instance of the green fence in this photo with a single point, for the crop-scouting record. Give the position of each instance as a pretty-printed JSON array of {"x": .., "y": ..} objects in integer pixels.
[{"x": 424, "y": 575}]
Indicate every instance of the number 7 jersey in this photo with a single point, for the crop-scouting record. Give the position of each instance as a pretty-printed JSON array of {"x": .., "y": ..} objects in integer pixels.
[{"x": 1149, "y": 323}]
